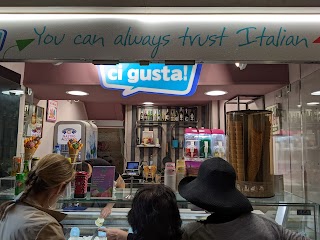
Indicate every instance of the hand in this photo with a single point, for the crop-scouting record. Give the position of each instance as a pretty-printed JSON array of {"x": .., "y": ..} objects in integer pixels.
[
  {"x": 114, "y": 233},
  {"x": 105, "y": 212}
]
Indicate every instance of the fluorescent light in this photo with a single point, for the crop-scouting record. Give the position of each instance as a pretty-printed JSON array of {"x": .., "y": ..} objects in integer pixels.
[
  {"x": 316, "y": 93},
  {"x": 148, "y": 103},
  {"x": 313, "y": 103},
  {"x": 169, "y": 18},
  {"x": 77, "y": 93},
  {"x": 216, "y": 93},
  {"x": 16, "y": 92}
]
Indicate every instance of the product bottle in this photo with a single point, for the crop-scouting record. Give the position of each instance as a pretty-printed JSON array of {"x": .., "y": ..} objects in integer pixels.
[
  {"x": 19, "y": 185},
  {"x": 159, "y": 115},
  {"x": 176, "y": 116},
  {"x": 102, "y": 235},
  {"x": 57, "y": 149},
  {"x": 172, "y": 116},
  {"x": 186, "y": 115},
  {"x": 141, "y": 115},
  {"x": 145, "y": 115},
  {"x": 181, "y": 116},
  {"x": 74, "y": 233},
  {"x": 192, "y": 116},
  {"x": 26, "y": 168},
  {"x": 155, "y": 116},
  {"x": 170, "y": 175},
  {"x": 167, "y": 115}
]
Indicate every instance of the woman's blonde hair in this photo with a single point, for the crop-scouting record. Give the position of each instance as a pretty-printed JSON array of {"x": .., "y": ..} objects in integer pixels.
[{"x": 50, "y": 172}]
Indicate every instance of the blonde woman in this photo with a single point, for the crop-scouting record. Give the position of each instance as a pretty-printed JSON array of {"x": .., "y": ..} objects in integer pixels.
[{"x": 31, "y": 216}]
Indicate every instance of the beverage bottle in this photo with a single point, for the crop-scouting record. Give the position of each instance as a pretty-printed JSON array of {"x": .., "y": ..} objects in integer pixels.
[
  {"x": 159, "y": 115},
  {"x": 26, "y": 168},
  {"x": 192, "y": 116},
  {"x": 170, "y": 175},
  {"x": 167, "y": 115},
  {"x": 141, "y": 115},
  {"x": 181, "y": 116},
  {"x": 74, "y": 233},
  {"x": 155, "y": 116},
  {"x": 172, "y": 116},
  {"x": 19, "y": 185},
  {"x": 176, "y": 116},
  {"x": 145, "y": 117},
  {"x": 186, "y": 115}
]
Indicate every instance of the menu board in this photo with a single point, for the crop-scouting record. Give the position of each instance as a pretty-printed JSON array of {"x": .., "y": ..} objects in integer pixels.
[{"x": 102, "y": 180}]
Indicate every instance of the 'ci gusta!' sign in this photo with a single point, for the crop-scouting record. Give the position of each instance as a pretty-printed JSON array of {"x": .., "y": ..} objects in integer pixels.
[{"x": 179, "y": 80}]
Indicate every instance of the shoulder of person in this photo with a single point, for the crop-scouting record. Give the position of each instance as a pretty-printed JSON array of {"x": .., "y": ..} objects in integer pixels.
[{"x": 51, "y": 231}]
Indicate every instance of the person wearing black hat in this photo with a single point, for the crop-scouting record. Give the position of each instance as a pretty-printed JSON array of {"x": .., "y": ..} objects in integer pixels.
[{"x": 214, "y": 190}]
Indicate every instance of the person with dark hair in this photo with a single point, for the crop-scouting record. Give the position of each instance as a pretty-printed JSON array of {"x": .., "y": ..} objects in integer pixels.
[
  {"x": 32, "y": 216},
  {"x": 87, "y": 166},
  {"x": 154, "y": 215},
  {"x": 214, "y": 190}
]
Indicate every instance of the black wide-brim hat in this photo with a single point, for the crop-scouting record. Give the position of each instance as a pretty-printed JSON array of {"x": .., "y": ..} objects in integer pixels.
[{"x": 214, "y": 189}]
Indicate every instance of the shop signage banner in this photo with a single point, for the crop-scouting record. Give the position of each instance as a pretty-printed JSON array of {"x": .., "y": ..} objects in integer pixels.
[
  {"x": 67, "y": 132},
  {"x": 134, "y": 37},
  {"x": 179, "y": 80}
]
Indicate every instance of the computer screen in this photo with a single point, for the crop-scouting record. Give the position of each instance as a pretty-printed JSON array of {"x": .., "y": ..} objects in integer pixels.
[{"x": 132, "y": 165}]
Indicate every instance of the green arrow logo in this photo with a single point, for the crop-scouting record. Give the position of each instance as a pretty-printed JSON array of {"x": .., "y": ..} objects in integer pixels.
[{"x": 23, "y": 43}]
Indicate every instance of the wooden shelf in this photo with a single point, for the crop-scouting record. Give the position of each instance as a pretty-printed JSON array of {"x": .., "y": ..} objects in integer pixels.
[{"x": 148, "y": 146}]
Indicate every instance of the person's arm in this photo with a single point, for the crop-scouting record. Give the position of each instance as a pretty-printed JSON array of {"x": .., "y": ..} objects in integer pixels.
[
  {"x": 115, "y": 234},
  {"x": 287, "y": 234},
  {"x": 106, "y": 211}
]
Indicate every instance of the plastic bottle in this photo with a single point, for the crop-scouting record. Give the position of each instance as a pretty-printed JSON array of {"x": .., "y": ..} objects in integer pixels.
[
  {"x": 102, "y": 235},
  {"x": 19, "y": 184},
  {"x": 170, "y": 175},
  {"x": 57, "y": 149},
  {"x": 74, "y": 233}
]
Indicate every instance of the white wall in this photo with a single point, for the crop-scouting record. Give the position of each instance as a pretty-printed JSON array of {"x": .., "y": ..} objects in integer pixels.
[{"x": 67, "y": 111}]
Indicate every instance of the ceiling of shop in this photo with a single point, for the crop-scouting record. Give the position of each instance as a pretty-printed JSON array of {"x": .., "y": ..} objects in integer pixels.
[{"x": 51, "y": 82}]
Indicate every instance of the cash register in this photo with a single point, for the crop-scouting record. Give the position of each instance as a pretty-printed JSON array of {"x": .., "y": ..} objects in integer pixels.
[{"x": 132, "y": 169}]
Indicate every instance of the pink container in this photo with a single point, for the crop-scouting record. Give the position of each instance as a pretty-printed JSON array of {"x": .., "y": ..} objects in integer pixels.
[{"x": 217, "y": 131}]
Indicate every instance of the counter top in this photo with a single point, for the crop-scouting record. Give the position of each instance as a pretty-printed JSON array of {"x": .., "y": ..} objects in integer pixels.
[{"x": 120, "y": 197}]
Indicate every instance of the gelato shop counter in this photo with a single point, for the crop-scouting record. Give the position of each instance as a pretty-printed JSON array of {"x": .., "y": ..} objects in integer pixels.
[{"x": 286, "y": 209}]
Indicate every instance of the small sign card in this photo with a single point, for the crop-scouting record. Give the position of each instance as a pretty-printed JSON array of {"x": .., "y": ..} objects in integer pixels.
[{"x": 102, "y": 180}]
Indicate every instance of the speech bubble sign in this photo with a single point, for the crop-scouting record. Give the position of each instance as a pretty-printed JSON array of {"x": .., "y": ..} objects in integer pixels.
[{"x": 178, "y": 80}]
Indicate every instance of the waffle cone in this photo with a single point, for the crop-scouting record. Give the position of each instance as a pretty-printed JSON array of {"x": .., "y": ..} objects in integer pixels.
[
  {"x": 73, "y": 154},
  {"x": 29, "y": 152}
]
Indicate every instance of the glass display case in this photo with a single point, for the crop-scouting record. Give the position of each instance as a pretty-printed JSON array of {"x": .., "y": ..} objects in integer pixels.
[{"x": 286, "y": 209}]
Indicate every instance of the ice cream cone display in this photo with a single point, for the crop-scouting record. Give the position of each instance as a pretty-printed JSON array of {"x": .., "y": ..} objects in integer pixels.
[
  {"x": 74, "y": 146},
  {"x": 153, "y": 171},
  {"x": 31, "y": 145},
  {"x": 248, "y": 145},
  {"x": 146, "y": 172}
]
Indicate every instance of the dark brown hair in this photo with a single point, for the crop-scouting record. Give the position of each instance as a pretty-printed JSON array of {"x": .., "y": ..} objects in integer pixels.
[{"x": 155, "y": 214}]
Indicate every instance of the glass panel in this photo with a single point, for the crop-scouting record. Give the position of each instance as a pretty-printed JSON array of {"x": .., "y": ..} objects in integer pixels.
[
  {"x": 311, "y": 134},
  {"x": 295, "y": 140}
]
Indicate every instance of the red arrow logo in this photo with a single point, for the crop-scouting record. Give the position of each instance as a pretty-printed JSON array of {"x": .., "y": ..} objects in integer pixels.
[{"x": 317, "y": 40}]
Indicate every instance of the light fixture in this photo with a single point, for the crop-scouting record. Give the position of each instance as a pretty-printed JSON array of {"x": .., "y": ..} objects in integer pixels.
[
  {"x": 299, "y": 105},
  {"x": 16, "y": 92},
  {"x": 148, "y": 103},
  {"x": 316, "y": 93},
  {"x": 77, "y": 93},
  {"x": 216, "y": 93},
  {"x": 313, "y": 103},
  {"x": 241, "y": 66}
]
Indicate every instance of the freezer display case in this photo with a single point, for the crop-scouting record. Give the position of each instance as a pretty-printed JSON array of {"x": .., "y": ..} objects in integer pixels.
[{"x": 286, "y": 209}]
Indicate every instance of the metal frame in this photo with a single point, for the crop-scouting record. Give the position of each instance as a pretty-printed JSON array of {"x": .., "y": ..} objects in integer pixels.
[{"x": 237, "y": 100}]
